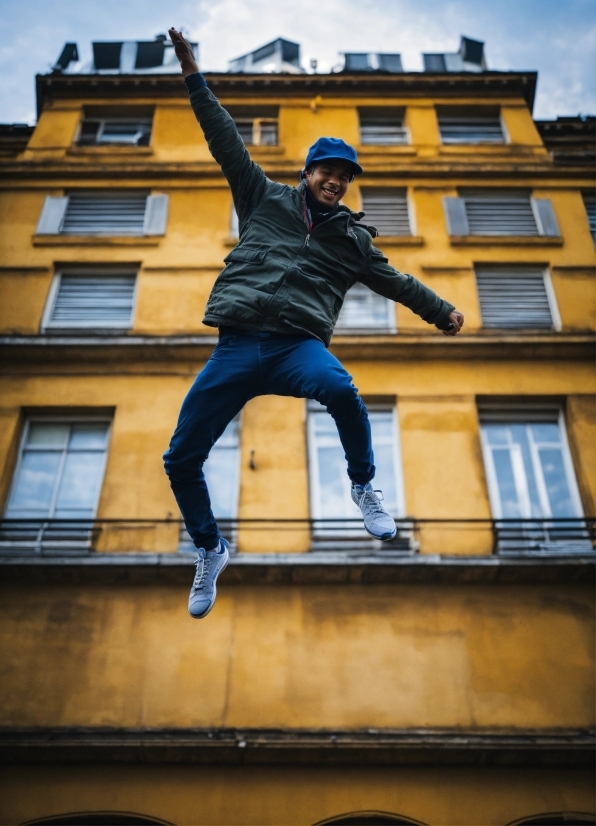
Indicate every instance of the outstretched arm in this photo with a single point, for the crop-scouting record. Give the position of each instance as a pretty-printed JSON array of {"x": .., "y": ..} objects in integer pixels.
[
  {"x": 385, "y": 280},
  {"x": 247, "y": 180}
]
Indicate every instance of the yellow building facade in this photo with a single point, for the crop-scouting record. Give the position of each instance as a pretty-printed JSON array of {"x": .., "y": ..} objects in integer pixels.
[{"x": 442, "y": 679}]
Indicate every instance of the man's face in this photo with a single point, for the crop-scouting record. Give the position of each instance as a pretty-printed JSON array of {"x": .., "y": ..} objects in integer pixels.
[{"x": 328, "y": 181}]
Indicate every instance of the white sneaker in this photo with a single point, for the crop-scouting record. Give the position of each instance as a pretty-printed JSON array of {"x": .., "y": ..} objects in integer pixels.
[
  {"x": 209, "y": 567},
  {"x": 377, "y": 521}
]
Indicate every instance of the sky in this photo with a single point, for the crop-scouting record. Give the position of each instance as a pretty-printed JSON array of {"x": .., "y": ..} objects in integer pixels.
[{"x": 557, "y": 38}]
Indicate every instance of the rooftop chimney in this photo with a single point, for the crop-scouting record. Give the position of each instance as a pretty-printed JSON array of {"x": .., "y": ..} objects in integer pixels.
[
  {"x": 278, "y": 56},
  {"x": 469, "y": 58},
  {"x": 68, "y": 54}
]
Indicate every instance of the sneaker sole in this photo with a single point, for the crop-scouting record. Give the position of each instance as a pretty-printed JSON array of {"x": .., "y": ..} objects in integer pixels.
[
  {"x": 385, "y": 537},
  {"x": 204, "y": 614}
]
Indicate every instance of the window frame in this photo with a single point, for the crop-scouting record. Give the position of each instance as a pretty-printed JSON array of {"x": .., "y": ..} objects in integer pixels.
[
  {"x": 102, "y": 121},
  {"x": 409, "y": 208},
  {"x": 377, "y": 112},
  {"x": 373, "y": 329},
  {"x": 441, "y": 111},
  {"x": 67, "y": 420},
  {"x": 491, "y": 475},
  {"x": 314, "y": 488},
  {"x": 47, "y": 327},
  {"x": 548, "y": 287}
]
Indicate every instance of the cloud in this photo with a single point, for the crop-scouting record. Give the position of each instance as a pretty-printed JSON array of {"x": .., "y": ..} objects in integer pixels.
[{"x": 557, "y": 39}]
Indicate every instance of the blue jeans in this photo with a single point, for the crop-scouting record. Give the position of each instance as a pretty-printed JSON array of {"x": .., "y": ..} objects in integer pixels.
[{"x": 242, "y": 366}]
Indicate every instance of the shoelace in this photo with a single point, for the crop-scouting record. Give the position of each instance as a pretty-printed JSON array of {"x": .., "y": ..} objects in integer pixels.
[
  {"x": 201, "y": 573},
  {"x": 371, "y": 501}
]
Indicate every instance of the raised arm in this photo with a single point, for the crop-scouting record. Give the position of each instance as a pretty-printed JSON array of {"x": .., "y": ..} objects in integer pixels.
[{"x": 247, "y": 180}]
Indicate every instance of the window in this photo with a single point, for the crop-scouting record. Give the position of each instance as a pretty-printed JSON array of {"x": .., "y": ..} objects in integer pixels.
[
  {"x": 90, "y": 298},
  {"x": 383, "y": 126},
  {"x": 516, "y": 297},
  {"x": 98, "y": 212},
  {"x": 330, "y": 486},
  {"x": 222, "y": 472},
  {"x": 500, "y": 212},
  {"x": 530, "y": 477},
  {"x": 257, "y": 126},
  {"x": 469, "y": 125},
  {"x": 130, "y": 126},
  {"x": 234, "y": 226},
  {"x": 386, "y": 208},
  {"x": 58, "y": 477},
  {"x": 590, "y": 205},
  {"x": 364, "y": 310}
]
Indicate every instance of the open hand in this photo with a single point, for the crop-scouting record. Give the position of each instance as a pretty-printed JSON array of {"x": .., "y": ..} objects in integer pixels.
[
  {"x": 457, "y": 319},
  {"x": 184, "y": 52}
]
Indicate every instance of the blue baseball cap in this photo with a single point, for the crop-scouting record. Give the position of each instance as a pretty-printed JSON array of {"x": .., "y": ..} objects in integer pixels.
[{"x": 332, "y": 149}]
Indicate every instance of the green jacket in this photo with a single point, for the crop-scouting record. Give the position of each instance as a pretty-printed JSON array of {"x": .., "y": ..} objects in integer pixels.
[{"x": 280, "y": 278}]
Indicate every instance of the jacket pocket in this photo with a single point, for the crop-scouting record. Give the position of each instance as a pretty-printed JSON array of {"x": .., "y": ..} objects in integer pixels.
[{"x": 246, "y": 255}]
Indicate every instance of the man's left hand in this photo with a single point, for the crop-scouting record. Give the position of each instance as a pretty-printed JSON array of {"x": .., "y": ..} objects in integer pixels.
[{"x": 457, "y": 319}]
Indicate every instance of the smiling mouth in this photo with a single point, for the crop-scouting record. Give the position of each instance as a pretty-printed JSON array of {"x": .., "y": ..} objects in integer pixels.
[{"x": 330, "y": 193}]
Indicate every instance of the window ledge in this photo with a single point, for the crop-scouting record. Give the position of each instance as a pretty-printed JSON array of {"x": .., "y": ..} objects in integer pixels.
[
  {"x": 255, "y": 149},
  {"x": 399, "y": 240},
  {"x": 96, "y": 240},
  {"x": 112, "y": 149},
  {"x": 386, "y": 149},
  {"x": 506, "y": 240}
]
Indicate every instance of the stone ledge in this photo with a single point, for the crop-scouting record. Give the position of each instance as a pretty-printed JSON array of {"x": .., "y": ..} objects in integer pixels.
[
  {"x": 315, "y": 568},
  {"x": 558, "y": 747}
]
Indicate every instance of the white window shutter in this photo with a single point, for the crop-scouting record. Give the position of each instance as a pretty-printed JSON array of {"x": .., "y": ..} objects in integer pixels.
[
  {"x": 52, "y": 216},
  {"x": 156, "y": 215},
  {"x": 455, "y": 214},
  {"x": 546, "y": 218}
]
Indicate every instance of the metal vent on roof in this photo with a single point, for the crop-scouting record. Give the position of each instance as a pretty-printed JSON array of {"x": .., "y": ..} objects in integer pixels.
[
  {"x": 470, "y": 129},
  {"x": 386, "y": 208},
  {"x": 97, "y": 214},
  {"x": 434, "y": 63},
  {"x": 372, "y": 61},
  {"x": 106, "y": 55},
  {"x": 278, "y": 56},
  {"x": 69, "y": 54},
  {"x": 93, "y": 301},
  {"x": 513, "y": 298},
  {"x": 500, "y": 216},
  {"x": 150, "y": 54}
]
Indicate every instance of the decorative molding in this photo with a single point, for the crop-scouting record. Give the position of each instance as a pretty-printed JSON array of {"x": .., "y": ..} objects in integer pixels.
[
  {"x": 531, "y": 748},
  {"x": 342, "y": 568}
]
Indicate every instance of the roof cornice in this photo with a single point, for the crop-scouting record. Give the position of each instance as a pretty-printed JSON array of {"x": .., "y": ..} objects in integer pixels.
[{"x": 407, "y": 84}]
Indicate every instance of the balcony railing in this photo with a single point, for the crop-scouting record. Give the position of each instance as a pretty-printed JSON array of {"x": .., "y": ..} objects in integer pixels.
[{"x": 536, "y": 537}]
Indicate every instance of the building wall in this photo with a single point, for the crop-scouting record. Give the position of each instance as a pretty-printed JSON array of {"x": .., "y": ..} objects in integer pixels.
[{"x": 354, "y": 656}]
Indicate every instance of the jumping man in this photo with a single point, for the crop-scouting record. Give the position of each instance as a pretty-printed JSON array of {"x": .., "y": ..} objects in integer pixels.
[{"x": 276, "y": 304}]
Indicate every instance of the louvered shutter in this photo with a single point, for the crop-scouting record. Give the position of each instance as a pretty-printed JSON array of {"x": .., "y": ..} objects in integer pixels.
[
  {"x": 546, "y": 217},
  {"x": 105, "y": 214},
  {"x": 52, "y": 216},
  {"x": 500, "y": 216},
  {"x": 382, "y": 131},
  {"x": 455, "y": 215},
  {"x": 513, "y": 298},
  {"x": 386, "y": 209},
  {"x": 472, "y": 129},
  {"x": 93, "y": 301},
  {"x": 156, "y": 215}
]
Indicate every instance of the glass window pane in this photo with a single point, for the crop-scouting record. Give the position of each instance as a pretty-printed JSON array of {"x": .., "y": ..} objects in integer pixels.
[
  {"x": 510, "y": 506},
  {"x": 220, "y": 472},
  {"x": 548, "y": 433},
  {"x": 35, "y": 484},
  {"x": 557, "y": 485},
  {"x": 334, "y": 485},
  {"x": 81, "y": 478},
  {"x": 496, "y": 434},
  {"x": 519, "y": 435},
  {"x": 47, "y": 435},
  {"x": 85, "y": 436}
]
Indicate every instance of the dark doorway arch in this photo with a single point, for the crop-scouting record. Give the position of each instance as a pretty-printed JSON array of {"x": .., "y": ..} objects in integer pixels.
[
  {"x": 558, "y": 819},
  {"x": 369, "y": 819},
  {"x": 98, "y": 819}
]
